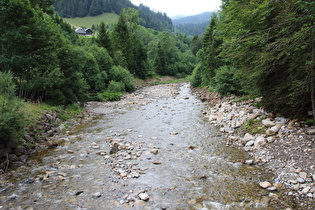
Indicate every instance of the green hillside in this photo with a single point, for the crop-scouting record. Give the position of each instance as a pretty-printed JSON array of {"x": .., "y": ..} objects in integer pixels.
[{"x": 88, "y": 21}]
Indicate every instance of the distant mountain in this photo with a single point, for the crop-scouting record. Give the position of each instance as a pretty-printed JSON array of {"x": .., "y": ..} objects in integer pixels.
[
  {"x": 200, "y": 18},
  {"x": 192, "y": 25},
  {"x": 82, "y": 8}
]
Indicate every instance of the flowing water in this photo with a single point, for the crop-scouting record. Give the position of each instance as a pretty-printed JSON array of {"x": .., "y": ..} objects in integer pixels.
[{"x": 166, "y": 150}]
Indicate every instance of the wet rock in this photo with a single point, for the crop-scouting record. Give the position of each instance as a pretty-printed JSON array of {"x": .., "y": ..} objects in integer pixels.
[
  {"x": 51, "y": 144},
  {"x": 101, "y": 153},
  {"x": 273, "y": 196},
  {"x": 249, "y": 162},
  {"x": 265, "y": 184},
  {"x": 144, "y": 196},
  {"x": 271, "y": 188},
  {"x": 78, "y": 192},
  {"x": 61, "y": 178},
  {"x": 277, "y": 185},
  {"x": 12, "y": 197},
  {"x": 114, "y": 149},
  {"x": 97, "y": 195},
  {"x": 29, "y": 181}
]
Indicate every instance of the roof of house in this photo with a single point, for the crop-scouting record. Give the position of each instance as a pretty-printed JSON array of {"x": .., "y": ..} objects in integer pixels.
[{"x": 80, "y": 30}]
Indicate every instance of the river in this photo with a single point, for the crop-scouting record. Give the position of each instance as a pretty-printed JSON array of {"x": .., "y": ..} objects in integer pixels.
[{"x": 167, "y": 153}]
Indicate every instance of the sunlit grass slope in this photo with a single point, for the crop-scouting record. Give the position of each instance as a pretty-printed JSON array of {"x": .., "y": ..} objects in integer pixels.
[{"x": 88, "y": 21}]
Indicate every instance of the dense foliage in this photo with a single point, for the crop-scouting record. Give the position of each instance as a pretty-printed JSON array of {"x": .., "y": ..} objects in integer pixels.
[
  {"x": 81, "y": 8},
  {"x": 263, "y": 48},
  {"x": 48, "y": 62}
]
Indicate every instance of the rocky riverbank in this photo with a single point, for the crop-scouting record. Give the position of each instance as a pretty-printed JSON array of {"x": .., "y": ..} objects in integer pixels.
[
  {"x": 38, "y": 135},
  {"x": 285, "y": 147}
]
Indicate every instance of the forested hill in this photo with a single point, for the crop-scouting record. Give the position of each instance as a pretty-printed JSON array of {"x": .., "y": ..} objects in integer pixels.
[
  {"x": 200, "y": 18},
  {"x": 193, "y": 25},
  {"x": 81, "y": 8}
]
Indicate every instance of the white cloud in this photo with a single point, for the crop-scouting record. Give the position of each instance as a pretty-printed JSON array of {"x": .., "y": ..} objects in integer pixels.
[{"x": 180, "y": 7}]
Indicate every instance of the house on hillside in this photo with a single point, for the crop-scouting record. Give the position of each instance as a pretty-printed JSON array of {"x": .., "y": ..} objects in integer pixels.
[
  {"x": 80, "y": 31},
  {"x": 88, "y": 31}
]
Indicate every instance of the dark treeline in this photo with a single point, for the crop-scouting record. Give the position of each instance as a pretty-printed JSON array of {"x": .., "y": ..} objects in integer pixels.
[
  {"x": 262, "y": 48},
  {"x": 81, "y": 8},
  {"x": 42, "y": 59}
]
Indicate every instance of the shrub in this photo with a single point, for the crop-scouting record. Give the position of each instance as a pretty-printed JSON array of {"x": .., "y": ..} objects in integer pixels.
[
  {"x": 108, "y": 96},
  {"x": 116, "y": 87},
  {"x": 119, "y": 74},
  {"x": 12, "y": 120}
]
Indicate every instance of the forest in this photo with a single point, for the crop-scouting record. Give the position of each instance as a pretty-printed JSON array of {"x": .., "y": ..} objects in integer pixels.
[
  {"x": 262, "y": 48},
  {"x": 81, "y": 8}
]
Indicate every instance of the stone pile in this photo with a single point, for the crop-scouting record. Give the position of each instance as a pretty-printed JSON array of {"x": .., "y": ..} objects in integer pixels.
[{"x": 284, "y": 146}]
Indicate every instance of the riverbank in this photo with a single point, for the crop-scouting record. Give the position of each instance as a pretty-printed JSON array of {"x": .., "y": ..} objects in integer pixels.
[{"x": 285, "y": 147}]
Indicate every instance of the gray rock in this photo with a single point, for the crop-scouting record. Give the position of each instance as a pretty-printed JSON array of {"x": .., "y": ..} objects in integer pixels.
[
  {"x": 300, "y": 180},
  {"x": 268, "y": 123},
  {"x": 303, "y": 175},
  {"x": 144, "y": 196},
  {"x": 249, "y": 162},
  {"x": 29, "y": 181},
  {"x": 259, "y": 142},
  {"x": 310, "y": 131},
  {"x": 265, "y": 184},
  {"x": 97, "y": 195},
  {"x": 250, "y": 143}
]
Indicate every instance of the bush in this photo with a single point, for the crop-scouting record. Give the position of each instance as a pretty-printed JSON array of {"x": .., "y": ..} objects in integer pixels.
[
  {"x": 12, "y": 120},
  {"x": 119, "y": 74},
  {"x": 196, "y": 77},
  {"x": 116, "y": 87},
  {"x": 108, "y": 96},
  {"x": 226, "y": 81}
]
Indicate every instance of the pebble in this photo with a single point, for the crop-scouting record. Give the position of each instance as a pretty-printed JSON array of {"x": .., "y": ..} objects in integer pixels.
[
  {"x": 154, "y": 151},
  {"x": 97, "y": 195},
  {"x": 303, "y": 175},
  {"x": 273, "y": 196},
  {"x": 249, "y": 162},
  {"x": 271, "y": 188},
  {"x": 300, "y": 180},
  {"x": 265, "y": 184},
  {"x": 144, "y": 196}
]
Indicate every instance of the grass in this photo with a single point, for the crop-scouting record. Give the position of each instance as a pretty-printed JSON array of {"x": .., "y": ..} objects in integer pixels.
[{"x": 88, "y": 21}]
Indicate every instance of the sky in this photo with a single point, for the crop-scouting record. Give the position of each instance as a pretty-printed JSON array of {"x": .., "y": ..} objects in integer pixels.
[{"x": 175, "y": 8}]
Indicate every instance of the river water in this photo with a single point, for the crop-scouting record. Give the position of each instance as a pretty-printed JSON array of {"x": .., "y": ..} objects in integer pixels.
[{"x": 167, "y": 151}]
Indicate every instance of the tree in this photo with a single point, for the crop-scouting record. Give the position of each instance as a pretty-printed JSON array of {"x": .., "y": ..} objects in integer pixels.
[{"x": 103, "y": 39}]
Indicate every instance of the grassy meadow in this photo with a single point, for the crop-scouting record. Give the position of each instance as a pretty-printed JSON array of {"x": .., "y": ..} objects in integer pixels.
[{"x": 88, "y": 21}]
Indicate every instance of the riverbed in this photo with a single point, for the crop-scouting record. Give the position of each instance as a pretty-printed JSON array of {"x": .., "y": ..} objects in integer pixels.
[{"x": 152, "y": 150}]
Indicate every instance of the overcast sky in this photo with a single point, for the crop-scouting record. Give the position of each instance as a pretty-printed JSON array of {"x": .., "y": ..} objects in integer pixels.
[{"x": 180, "y": 7}]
